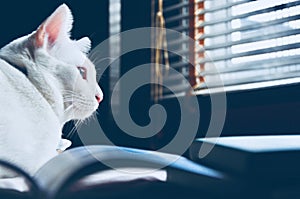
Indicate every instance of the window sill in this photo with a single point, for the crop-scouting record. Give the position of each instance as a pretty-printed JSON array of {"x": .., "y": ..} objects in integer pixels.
[{"x": 249, "y": 86}]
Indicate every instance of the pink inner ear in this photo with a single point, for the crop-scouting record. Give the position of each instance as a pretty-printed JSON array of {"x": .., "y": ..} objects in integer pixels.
[{"x": 54, "y": 26}]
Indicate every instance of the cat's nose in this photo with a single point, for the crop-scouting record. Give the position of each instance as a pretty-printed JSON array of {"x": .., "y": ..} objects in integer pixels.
[
  {"x": 99, "y": 95},
  {"x": 99, "y": 98}
]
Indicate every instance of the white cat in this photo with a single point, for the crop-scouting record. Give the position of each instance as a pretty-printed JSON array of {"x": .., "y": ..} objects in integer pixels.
[{"x": 46, "y": 80}]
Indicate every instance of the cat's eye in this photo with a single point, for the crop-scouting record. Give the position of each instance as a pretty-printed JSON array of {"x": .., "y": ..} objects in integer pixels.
[{"x": 82, "y": 71}]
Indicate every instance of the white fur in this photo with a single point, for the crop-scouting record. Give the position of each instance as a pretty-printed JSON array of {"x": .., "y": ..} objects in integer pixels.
[{"x": 35, "y": 108}]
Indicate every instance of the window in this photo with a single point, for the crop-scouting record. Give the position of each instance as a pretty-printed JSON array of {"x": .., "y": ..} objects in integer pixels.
[{"x": 247, "y": 44}]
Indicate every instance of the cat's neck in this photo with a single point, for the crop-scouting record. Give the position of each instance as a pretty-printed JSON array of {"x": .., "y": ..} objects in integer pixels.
[{"x": 44, "y": 82}]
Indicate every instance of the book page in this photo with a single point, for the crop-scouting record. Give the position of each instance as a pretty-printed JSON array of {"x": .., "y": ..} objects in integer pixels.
[{"x": 122, "y": 175}]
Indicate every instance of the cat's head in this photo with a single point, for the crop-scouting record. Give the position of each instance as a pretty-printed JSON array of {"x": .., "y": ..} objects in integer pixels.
[{"x": 58, "y": 66}]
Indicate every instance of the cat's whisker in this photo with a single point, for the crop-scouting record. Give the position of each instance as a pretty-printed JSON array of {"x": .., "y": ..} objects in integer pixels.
[
  {"x": 68, "y": 100},
  {"x": 73, "y": 98},
  {"x": 69, "y": 92},
  {"x": 92, "y": 54},
  {"x": 97, "y": 61},
  {"x": 77, "y": 124},
  {"x": 94, "y": 58},
  {"x": 94, "y": 116},
  {"x": 82, "y": 103},
  {"x": 73, "y": 131},
  {"x": 99, "y": 70},
  {"x": 69, "y": 109}
]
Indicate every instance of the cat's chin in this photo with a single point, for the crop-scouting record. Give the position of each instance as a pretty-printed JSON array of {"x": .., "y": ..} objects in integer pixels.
[{"x": 84, "y": 116}]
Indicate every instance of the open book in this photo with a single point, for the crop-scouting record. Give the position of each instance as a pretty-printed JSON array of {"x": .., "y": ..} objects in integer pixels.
[
  {"x": 106, "y": 170},
  {"x": 255, "y": 166}
]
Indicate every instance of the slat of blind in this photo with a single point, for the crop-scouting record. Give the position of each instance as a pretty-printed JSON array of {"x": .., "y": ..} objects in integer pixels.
[
  {"x": 253, "y": 79},
  {"x": 181, "y": 28},
  {"x": 183, "y": 52},
  {"x": 177, "y": 18},
  {"x": 252, "y": 39},
  {"x": 180, "y": 64},
  {"x": 269, "y": 63},
  {"x": 177, "y": 42},
  {"x": 250, "y": 27},
  {"x": 176, "y": 6},
  {"x": 249, "y": 53}
]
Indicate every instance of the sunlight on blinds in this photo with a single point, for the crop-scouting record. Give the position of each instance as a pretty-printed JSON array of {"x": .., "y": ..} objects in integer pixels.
[
  {"x": 251, "y": 41},
  {"x": 241, "y": 42}
]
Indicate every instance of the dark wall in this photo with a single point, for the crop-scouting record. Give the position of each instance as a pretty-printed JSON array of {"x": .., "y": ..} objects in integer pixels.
[
  {"x": 22, "y": 17},
  {"x": 264, "y": 111},
  {"x": 134, "y": 14},
  {"x": 267, "y": 111}
]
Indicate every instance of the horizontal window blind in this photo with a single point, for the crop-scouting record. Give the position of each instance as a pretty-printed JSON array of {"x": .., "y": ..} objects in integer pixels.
[{"x": 241, "y": 41}]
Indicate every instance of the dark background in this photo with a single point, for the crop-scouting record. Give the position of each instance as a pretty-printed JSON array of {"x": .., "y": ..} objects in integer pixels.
[
  {"x": 273, "y": 110},
  {"x": 19, "y": 18}
]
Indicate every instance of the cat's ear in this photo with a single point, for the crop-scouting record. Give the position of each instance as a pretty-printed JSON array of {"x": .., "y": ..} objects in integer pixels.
[
  {"x": 84, "y": 44},
  {"x": 57, "y": 26}
]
